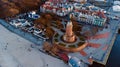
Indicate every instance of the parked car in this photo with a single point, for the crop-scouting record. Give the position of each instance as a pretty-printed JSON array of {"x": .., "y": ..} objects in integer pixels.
[
  {"x": 37, "y": 31},
  {"x": 16, "y": 24},
  {"x": 26, "y": 23},
  {"x": 33, "y": 15},
  {"x": 114, "y": 17},
  {"x": 74, "y": 62},
  {"x": 31, "y": 30}
]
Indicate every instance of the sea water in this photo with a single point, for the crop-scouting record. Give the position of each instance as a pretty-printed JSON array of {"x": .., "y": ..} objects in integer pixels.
[{"x": 114, "y": 58}]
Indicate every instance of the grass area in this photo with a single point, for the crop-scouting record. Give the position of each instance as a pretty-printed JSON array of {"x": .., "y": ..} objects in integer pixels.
[
  {"x": 80, "y": 43},
  {"x": 78, "y": 33},
  {"x": 82, "y": 38},
  {"x": 72, "y": 46},
  {"x": 62, "y": 44},
  {"x": 63, "y": 30},
  {"x": 56, "y": 40},
  {"x": 56, "y": 35}
]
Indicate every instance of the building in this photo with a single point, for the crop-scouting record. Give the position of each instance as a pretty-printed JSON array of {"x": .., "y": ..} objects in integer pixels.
[
  {"x": 81, "y": 1},
  {"x": 61, "y": 8},
  {"x": 102, "y": 3},
  {"x": 58, "y": 1},
  {"x": 97, "y": 0},
  {"x": 116, "y": 8},
  {"x": 90, "y": 17},
  {"x": 33, "y": 15}
]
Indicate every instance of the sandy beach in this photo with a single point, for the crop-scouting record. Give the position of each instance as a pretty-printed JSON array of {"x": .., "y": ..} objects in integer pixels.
[{"x": 15, "y": 51}]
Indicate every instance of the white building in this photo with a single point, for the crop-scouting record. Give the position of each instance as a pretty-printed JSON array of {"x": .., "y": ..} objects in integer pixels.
[
  {"x": 60, "y": 9},
  {"x": 116, "y": 2},
  {"x": 90, "y": 19},
  {"x": 80, "y": 0},
  {"x": 116, "y": 8}
]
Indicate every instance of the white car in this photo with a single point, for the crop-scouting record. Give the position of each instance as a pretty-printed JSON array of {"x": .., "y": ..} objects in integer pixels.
[
  {"x": 37, "y": 31},
  {"x": 31, "y": 29},
  {"x": 116, "y": 17},
  {"x": 33, "y": 15},
  {"x": 16, "y": 24},
  {"x": 26, "y": 23}
]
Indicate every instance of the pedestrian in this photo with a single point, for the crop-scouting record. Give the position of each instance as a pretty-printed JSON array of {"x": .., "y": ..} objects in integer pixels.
[
  {"x": 6, "y": 47},
  {"x": 31, "y": 46},
  {"x": 47, "y": 65}
]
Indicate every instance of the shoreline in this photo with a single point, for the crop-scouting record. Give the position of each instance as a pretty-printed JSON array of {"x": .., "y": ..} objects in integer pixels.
[
  {"x": 100, "y": 62},
  {"x": 21, "y": 33}
]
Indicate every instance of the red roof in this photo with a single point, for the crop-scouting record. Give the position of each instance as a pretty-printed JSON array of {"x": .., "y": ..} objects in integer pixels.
[
  {"x": 63, "y": 56},
  {"x": 101, "y": 13},
  {"x": 105, "y": 47},
  {"x": 99, "y": 36},
  {"x": 94, "y": 45},
  {"x": 50, "y": 8},
  {"x": 83, "y": 53}
]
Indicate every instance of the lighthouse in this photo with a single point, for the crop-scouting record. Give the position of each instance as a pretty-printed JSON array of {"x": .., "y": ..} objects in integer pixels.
[{"x": 69, "y": 35}]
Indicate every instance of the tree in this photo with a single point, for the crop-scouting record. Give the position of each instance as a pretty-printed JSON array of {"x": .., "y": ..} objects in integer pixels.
[
  {"x": 54, "y": 49},
  {"x": 76, "y": 27},
  {"x": 10, "y": 8},
  {"x": 59, "y": 24},
  {"x": 41, "y": 22},
  {"x": 49, "y": 32},
  {"x": 46, "y": 46},
  {"x": 7, "y": 9},
  {"x": 48, "y": 17}
]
